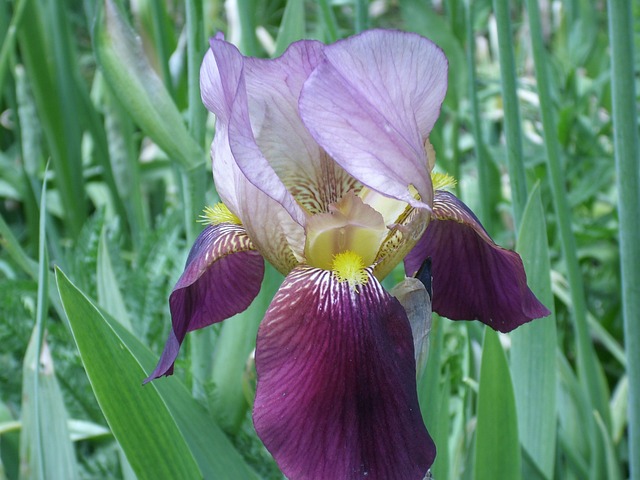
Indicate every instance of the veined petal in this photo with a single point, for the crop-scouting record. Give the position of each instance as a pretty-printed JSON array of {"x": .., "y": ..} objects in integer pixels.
[
  {"x": 278, "y": 136},
  {"x": 336, "y": 394},
  {"x": 473, "y": 278},
  {"x": 221, "y": 278},
  {"x": 276, "y": 234},
  {"x": 371, "y": 105}
]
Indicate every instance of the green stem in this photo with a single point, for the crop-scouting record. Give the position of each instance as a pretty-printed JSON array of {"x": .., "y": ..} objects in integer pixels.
[
  {"x": 512, "y": 129},
  {"x": 627, "y": 155},
  {"x": 588, "y": 368}
]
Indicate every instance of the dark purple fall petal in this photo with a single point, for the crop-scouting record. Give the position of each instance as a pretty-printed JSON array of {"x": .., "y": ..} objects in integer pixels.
[
  {"x": 371, "y": 105},
  {"x": 473, "y": 278},
  {"x": 221, "y": 278},
  {"x": 336, "y": 394}
]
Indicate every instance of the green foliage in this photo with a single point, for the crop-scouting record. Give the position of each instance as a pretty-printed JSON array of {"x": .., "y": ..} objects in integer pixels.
[{"x": 110, "y": 96}]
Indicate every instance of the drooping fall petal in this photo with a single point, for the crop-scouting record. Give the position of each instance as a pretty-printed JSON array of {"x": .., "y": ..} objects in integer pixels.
[
  {"x": 336, "y": 393},
  {"x": 371, "y": 105},
  {"x": 473, "y": 278},
  {"x": 221, "y": 278}
]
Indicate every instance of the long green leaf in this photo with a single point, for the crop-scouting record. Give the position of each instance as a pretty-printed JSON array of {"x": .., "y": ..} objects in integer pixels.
[
  {"x": 51, "y": 73},
  {"x": 497, "y": 452},
  {"x": 292, "y": 26},
  {"x": 109, "y": 295},
  {"x": 627, "y": 153},
  {"x": 513, "y": 131},
  {"x": 589, "y": 370},
  {"x": 172, "y": 428},
  {"x": 138, "y": 417},
  {"x": 135, "y": 83},
  {"x": 533, "y": 352},
  {"x": 46, "y": 450}
]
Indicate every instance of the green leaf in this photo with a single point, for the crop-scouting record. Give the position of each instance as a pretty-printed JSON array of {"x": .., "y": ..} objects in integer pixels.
[
  {"x": 292, "y": 26},
  {"x": 533, "y": 350},
  {"x": 138, "y": 417},
  {"x": 497, "y": 452},
  {"x": 46, "y": 450},
  {"x": 433, "y": 396},
  {"x": 233, "y": 347},
  {"x": 161, "y": 428},
  {"x": 611, "y": 461},
  {"x": 135, "y": 83},
  {"x": 109, "y": 295}
]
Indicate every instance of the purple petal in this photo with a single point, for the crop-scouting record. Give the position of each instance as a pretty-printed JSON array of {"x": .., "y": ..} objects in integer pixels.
[
  {"x": 371, "y": 105},
  {"x": 222, "y": 277},
  {"x": 336, "y": 394},
  {"x": 473, "y": 278}
]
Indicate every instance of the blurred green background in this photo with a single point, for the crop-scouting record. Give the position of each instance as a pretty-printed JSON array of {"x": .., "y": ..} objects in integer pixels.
[{"x": 104, "y": 169}]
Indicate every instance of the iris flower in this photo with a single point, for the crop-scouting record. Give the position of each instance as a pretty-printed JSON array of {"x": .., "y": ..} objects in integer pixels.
[{"x": 322, "y": 161}]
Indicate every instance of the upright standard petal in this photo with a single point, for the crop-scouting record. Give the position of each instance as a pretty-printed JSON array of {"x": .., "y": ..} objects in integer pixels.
[
  {"x": 371, "y": 105},
  {"x": 221, "y": 278},
  {"x": 281, "y": 241},
  {"x": 473, "y": 278},
  {"x": 336, "y": 394}
]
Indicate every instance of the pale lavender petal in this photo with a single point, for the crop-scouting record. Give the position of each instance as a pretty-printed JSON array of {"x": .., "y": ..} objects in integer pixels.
[
  {"x": 281, "y": 239},
  {"x": 371, "y": 105},
  {"x": 336, "y": 394},
  {"x": 270, "y": 132},
  {"x": 221, "y": 278},
  {"x": 473, "y": 278}
]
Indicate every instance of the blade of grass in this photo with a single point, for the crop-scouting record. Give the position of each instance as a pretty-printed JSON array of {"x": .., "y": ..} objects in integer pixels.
[
  {"x": 234, "y": 345},
  {"x": 589, "y": 370},
  {"x": 533, "y": 347},
  {"x": 46, "y": 450},
  {"x": 245, "y": 14},
  {"x": 9, "y": 41},
  {"x": 194, "y": 184},
  {"x": 513, "y": 132},
  {"x": 177, "y": 429},
  {"x": 196, "y": 47},
  {"x": 433, "y": 395},
  {"x": 361, "y": 15},
  {"x": 109, "y": 295},
  {"x": 49, "y": 72},
  {"x": 613, "y": 470},
  {"x": 138, "y": 417},
  {"x": 627, "y": 154},
  {"x": 328, "y": 21},
  {"x": 292, "y": 27},
  {"x": 497, "y": 449},
  {"x": 32, "y": 450},
  {"x": 489, "y": 197},
  {"x": 9, "y": 242},
  {"x": 139, "y": 89},
  {"x": 160, "y": 38}
]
